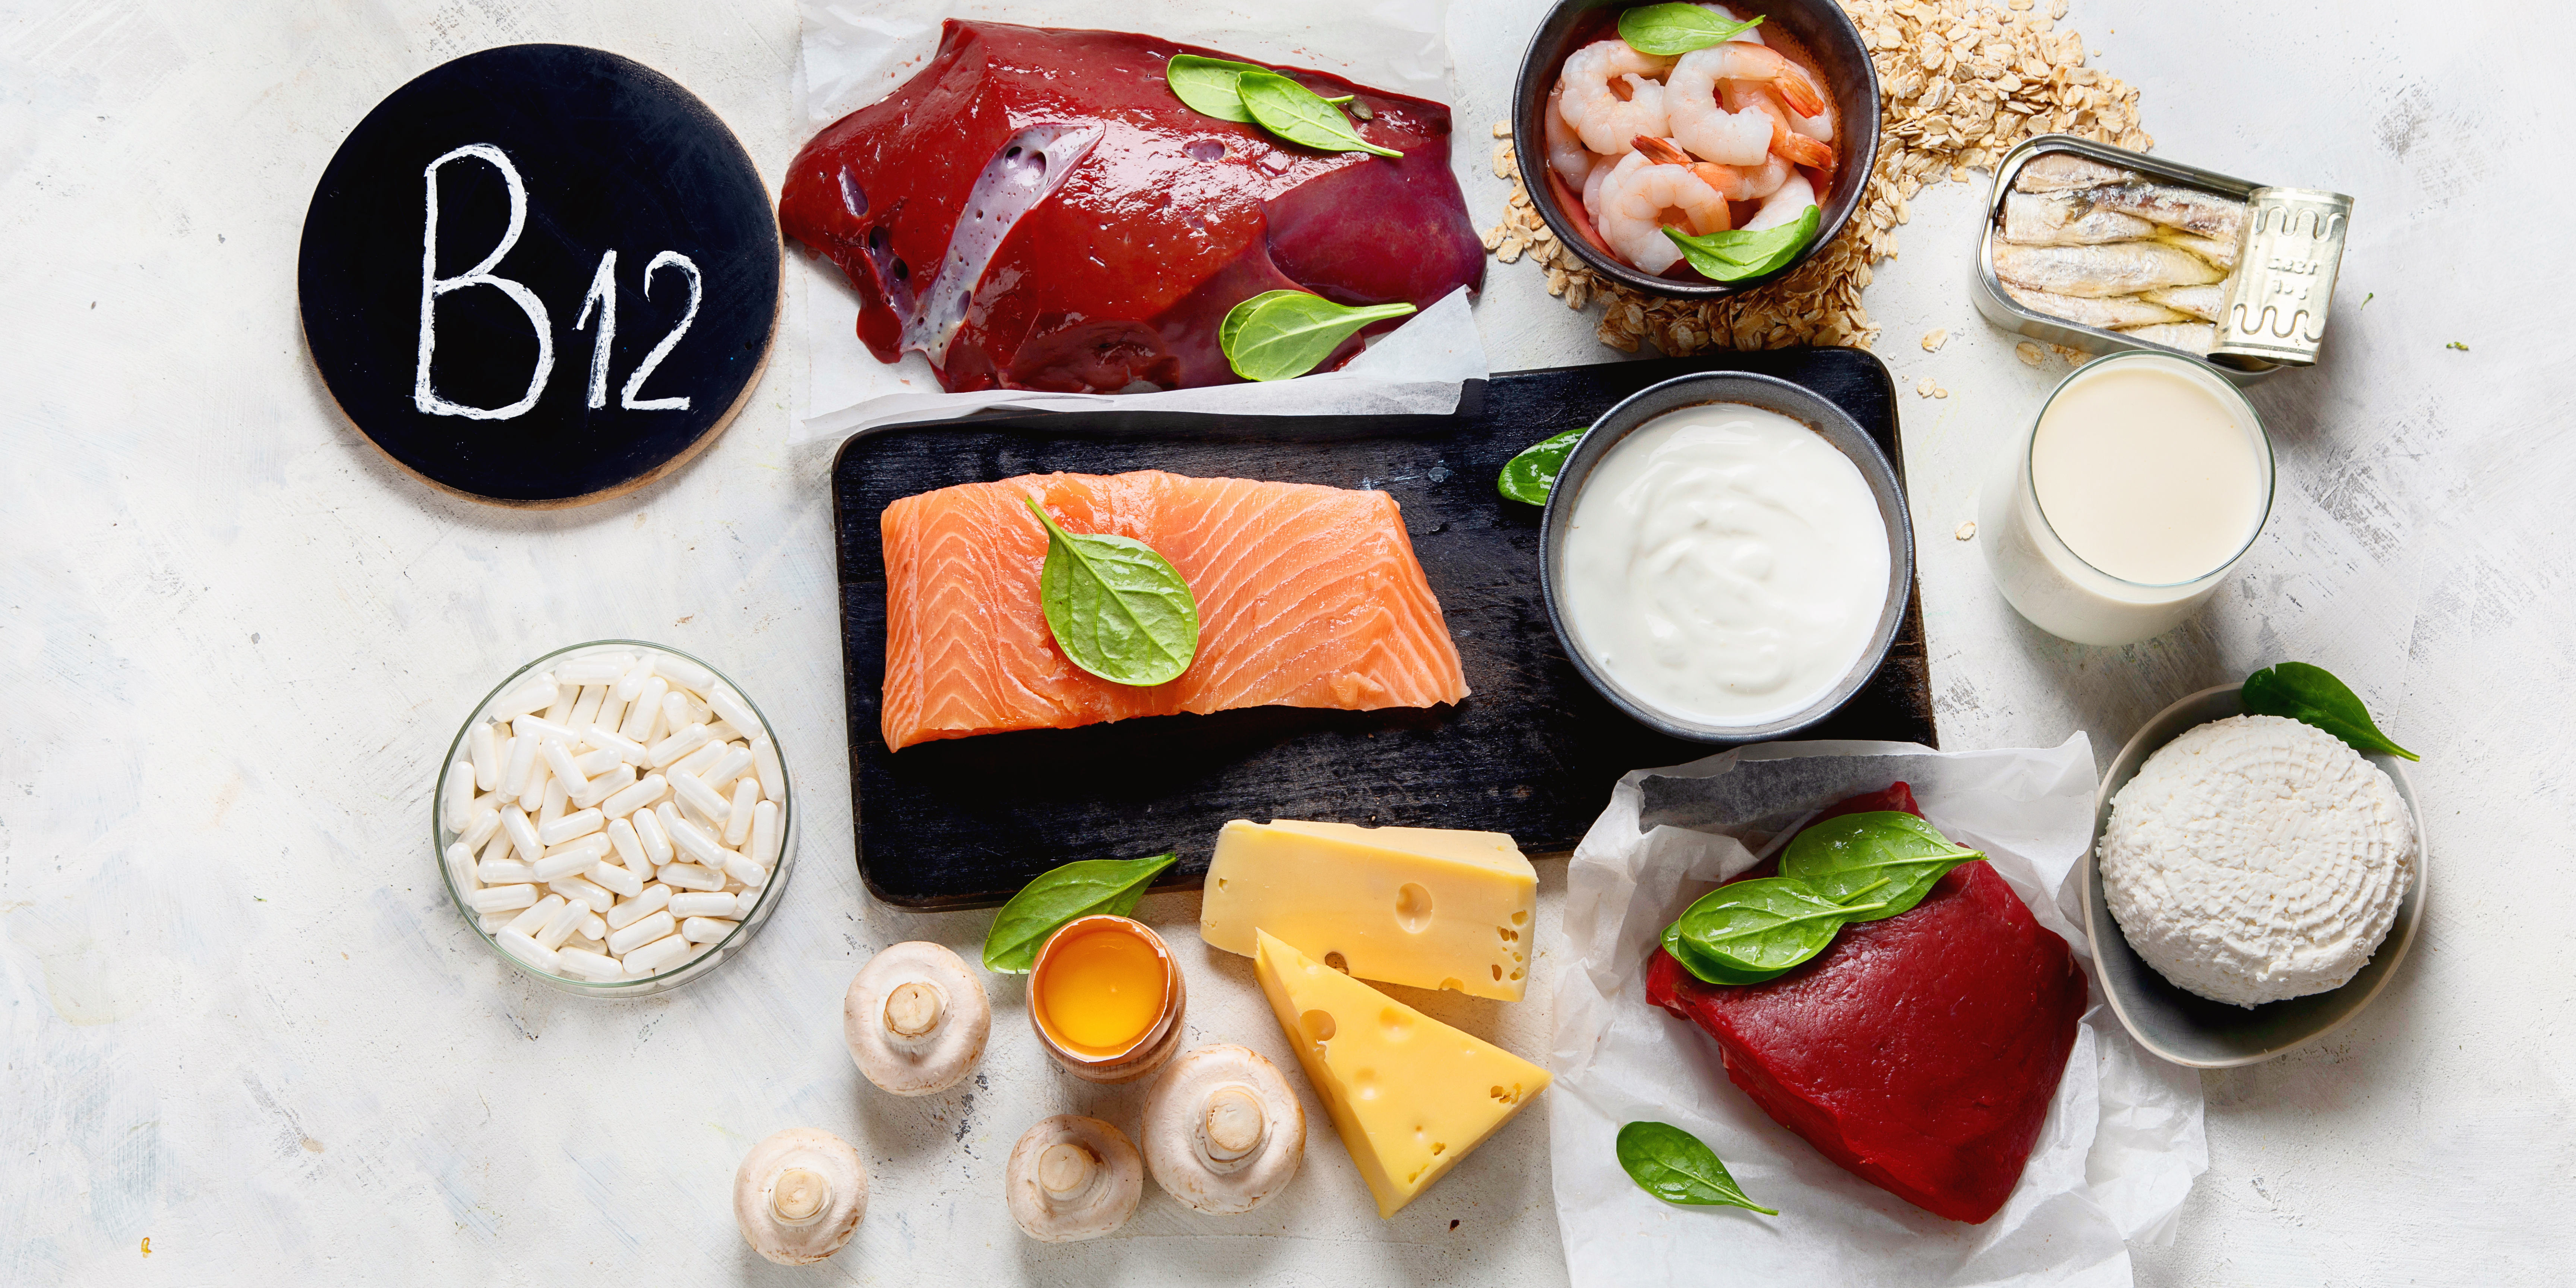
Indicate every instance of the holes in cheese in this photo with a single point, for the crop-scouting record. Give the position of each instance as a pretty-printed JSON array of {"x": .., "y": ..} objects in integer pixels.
[{"x": 1405, "y": 905}]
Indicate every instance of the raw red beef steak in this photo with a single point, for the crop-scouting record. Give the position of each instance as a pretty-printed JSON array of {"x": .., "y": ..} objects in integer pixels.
[{"x": 1919, "y": 1052}]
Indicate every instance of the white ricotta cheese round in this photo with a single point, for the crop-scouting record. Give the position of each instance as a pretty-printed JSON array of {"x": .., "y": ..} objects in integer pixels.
[{"x": 2256, "y": 859}]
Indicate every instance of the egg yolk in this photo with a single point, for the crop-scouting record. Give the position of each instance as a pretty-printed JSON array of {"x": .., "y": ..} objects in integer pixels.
[{"x": 1101, "y": 992}]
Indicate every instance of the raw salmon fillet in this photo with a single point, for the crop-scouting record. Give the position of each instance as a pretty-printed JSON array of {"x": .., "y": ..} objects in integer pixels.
[
  {"x": 1308, "y": 597},
  {"x": 1919, "y": 1052}
]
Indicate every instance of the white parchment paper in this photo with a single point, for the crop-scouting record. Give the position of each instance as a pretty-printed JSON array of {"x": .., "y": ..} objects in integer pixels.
[
  {"x": 2123, "y": 1139},
  {"x": 856, "y": 53}
]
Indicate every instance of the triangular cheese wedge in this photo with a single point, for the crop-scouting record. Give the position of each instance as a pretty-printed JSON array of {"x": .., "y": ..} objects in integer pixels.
[{"x": 1410, "y": 1095}]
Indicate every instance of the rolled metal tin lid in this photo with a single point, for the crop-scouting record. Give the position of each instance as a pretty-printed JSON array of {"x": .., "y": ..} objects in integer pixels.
[{"x": 2283, "y": 287}]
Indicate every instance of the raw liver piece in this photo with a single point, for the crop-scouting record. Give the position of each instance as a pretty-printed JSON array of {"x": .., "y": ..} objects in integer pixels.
[
  {"x": 1919, "y": 1052},
  {"x": 1128, "y": 224}
]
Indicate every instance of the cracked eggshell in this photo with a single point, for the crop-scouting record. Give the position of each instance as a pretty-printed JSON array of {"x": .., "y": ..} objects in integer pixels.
[
  {"x": 934, "y": 1060},
  {"x": 1115, "y": 1181},
  {"x": 795, "y": 1238},
  {"x": 1186, "y": 1129}
]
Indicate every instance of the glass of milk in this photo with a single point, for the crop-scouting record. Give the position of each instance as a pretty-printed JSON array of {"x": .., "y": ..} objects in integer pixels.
[{"x": 2143, "y": 479}]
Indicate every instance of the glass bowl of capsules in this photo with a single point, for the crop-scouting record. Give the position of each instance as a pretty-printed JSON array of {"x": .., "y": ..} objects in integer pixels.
[{"x": 615, "y": 819}]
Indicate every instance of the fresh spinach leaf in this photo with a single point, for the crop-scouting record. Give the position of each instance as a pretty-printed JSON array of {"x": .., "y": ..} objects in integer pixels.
[
  {"x": 1735, "y": 255},
  {"x": 1710, "y": 970},
  {"x": 1300, "y": 115},
  {"x": 1895, "y": 857},
  {"x": 1116, "y": 608},
  {"x": 1277, "y": 335},
  {"x": 1208, "y": 85},
  {"x": 1677, "y": 28},
  {"x": 1677, "y": 1167},
  {"x": 1075, "y": 890},
  {"x": 2312, "y": 695},
  {"x": 1530, "y": 476},
  {"x": 1765, "y": 925}
]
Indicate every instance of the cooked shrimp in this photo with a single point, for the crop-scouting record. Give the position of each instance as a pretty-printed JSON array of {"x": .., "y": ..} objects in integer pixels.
[
  {"x": 1709, "y": 131},
  {"x": 1566, "y": 154},
  {"x": 1746, "y": 98},
  {"x": 1606, "y": 120},
  {"x": 1735, "y": 183},
  {"x": 1736, "y": 60},
  {"x": 1640, "y": 199},
  {"x": 1784, "y": 206}
]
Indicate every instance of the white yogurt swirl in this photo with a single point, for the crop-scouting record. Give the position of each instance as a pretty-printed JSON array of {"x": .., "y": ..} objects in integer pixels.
[{"x": 1726, "y": 565}]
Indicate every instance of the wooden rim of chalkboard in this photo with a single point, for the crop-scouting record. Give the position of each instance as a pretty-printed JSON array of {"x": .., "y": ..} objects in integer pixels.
[{"x": 663, "y": 103}]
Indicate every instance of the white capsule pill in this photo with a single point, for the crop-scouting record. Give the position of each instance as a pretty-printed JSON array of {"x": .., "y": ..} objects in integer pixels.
[
  {"x": 697, "y": 763},
  {"x": 497, "y": 848},
  {"x": 593, "y": 928},
  {"x": 677, "y": 711},
  {"x": 723, "y": 731},
  {"x": 742, "y": 869},
  {"x": 491, "y": 923},
  {"x": 619, "y": 777},
  {"x": 558, "y": 756},
  {"x": 460, "y": 863},
  {"x": 591, "y": 764},
  {"x": 504, "y": 872},
  {"x": 733, "y": 760},
  {"x": 571, "y": 857},
  {"x": 585, "y": 895},
  {"x": 637, "y": 934},
  {"x": 635, "y": 796},
  {"x": 656, "y": 838},
  {"x": 705, "y": 930},
  {"x": 595, "y": 668},
  {"x": 773, "y": 776},
  {"x": 481, "y": 823},
  {"x": 483, "y": 748},
  {"x": 646, "y": 715},
  {"x": 527, "y": 949},
  {"x": 551, "y": 806},
  {"x": 693, "y": 792},
  {"x": 560, "y": 926},
  {"x": 585, "y": 710},
  {"x": 682, "y": 672},
  {"x": 694, "y": 841},
  {"x": 690, "y": 876},
  {"x": 629, "y": 846},
  {"x": 535, "y": 695},
  {"x": 656, "y": 955},
  {"x": 565, "y": 828},
  {"x": 541, "y": 729},
  {"x": 697, "y": 903},
  {"x": 518, "y": 757},
  {"x": 624, "y": 881},
  {"x": 589, "y": 965},
  {"x": 659, "y": 755},
  {"x": 608, "y": 739},
  {"x": 746, "y": 795},
  {"x": 730, "y": 707},
  {"x": 522, "y": 833},
  {"x": 612, "y": 713},
  {"x": 632, "y": 683},
  {"x": 456, "y": 795},
  {"x": 655, "y": 898},
  {"x": 538, "y": 913},
  {"x": 764, "y": 834},
  {"x": 565, "y": 696}
]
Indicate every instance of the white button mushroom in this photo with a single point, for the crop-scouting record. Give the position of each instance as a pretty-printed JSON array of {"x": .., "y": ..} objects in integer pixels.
[
  {"x": 798, "y": 1195},
  {"x": 915, "y": 1019},
  {"x": 1073, "y": 1178},
  {"x": 1223, "y": 1130}
]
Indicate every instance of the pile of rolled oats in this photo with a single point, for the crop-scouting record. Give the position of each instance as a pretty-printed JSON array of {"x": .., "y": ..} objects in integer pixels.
[{"x": 1962, "y": 82}]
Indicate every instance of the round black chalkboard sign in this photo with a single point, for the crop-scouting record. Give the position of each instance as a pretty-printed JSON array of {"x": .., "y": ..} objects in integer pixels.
[{"x": 540, "y": 275}]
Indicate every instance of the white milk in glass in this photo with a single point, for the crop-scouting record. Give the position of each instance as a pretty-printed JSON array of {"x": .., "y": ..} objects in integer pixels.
[{"x": 2116, "y": 515}]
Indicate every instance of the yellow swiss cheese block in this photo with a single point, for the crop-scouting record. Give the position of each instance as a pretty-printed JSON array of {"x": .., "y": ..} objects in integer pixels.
[
  {"x": 1409, "y": 905},
  {"x": 1410, "y": 1094}
]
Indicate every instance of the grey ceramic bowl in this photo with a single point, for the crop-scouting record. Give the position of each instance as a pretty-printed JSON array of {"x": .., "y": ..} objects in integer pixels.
[
  {"x": 1820, "y": 28},
  {"x": 2192, "y": 1030},
  {"x": 1771, "y": 394}
]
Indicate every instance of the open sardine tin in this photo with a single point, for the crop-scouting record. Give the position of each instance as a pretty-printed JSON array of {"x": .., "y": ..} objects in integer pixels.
[{"x": 2278, "y": 295}]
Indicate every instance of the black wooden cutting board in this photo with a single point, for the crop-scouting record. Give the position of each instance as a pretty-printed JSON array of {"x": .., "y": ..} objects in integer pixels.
[{"x": 1533, "y": 751}]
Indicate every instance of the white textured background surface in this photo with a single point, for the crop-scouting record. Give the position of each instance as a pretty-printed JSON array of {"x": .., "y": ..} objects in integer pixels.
[{"x": 242, "y": 1021}]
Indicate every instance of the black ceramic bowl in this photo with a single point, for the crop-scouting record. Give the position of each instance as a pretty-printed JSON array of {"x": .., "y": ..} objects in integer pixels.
[
  {"x": 1819, "y": 28},
  {"x": 1771, "y": 394}
]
